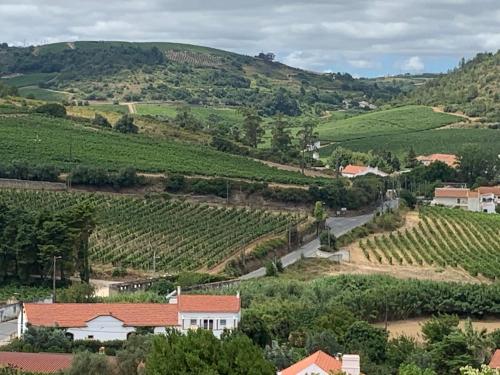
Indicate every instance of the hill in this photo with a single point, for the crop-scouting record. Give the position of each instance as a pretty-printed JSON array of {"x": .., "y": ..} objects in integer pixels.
[
  {"x": 473, "y": 87},
  {"x": 177, "y": 72}
]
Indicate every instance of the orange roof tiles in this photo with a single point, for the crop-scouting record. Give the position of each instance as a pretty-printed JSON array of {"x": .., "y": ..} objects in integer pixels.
[
  {"x": 324, "y": 361},
  {"x": 45, "y": 363},
  {"x": 449, "y": 159},
  {"x": 68, "y": 315},
  {"x": 354, "y": 169},
  {"x": 205, "y": 303},
  {"x": 451, "y": 193},
  {"x": 495, "y": 360},
  {"x": 489, "y": 190}
]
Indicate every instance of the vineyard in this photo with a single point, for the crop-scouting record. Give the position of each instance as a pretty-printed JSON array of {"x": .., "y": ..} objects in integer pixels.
[
  {"x": 42, "y": 140},
  {"x": 444, "y": 238},
  {"x": 194, "y": 58},
  {"x": 183, "y": 235},
  {"x": 23, "y": 293}
]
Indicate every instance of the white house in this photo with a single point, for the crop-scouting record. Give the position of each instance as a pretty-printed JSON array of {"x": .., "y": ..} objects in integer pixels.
[
  {"x": 321, "y": 363},
  {"x": 449, "y": 159},
  {"x": 115, "y": 321},
  {"x": 465, "y": 199},
  {"x": 351, "y": 171}
]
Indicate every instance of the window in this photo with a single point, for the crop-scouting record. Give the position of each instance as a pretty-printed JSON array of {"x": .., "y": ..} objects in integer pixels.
[
  {"x": 222, "y": 322},
  {"x": 208, "y": 324},
  {"x": 193, "y": 322},
  {"x": 458, "y": 200},
  {"x": 90, "y": 337}
]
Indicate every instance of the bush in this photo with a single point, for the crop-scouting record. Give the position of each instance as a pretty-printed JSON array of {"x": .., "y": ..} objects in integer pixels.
[
  {"x": 101, "y": 121},
  {"x": 52, "y": 109},
  {"x": 22, "y": 171},
  {"x": 175, "y": 183},
  {"x": 126, "y": 125}
]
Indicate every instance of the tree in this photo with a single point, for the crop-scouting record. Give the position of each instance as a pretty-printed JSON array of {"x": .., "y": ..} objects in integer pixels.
[
  {"x": 438, "y": 327},
  {"x": 185, "y": 119},
  {"x": 411, "y": 158},
  {"x": 367, "y": 340},
  {"x": 281, "y": 139},
  {"x": 254, "y": 327},
  {"x": 325, "y": 341},
  {"x": 86, "y": 363},
  {"x": 412, "y": 369},
  {"x": 101, "y": 121},
  {"x": 340, "y": 157},
  {"x": 52, "y": 109},
  {"x": 126, "y": 125},
  {"x": 133, "y": 356},
  {"x": 319, "y": 215},
  {"x": 77, "y": 293},
  {"x": 475, "y": 162},
  {"x": 485, "y": 370},
  {"x": 307, "y": 139},
  {"x": 252, "y": 127}
]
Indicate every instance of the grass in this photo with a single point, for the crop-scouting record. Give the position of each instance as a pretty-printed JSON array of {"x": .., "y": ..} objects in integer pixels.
[
  {"x": 382, "y": 123},
  {"x": 42, "y": 94},
  {"x": 112, "y": 150},
  {"x": 202, "y": 113},
  {"x": 424, "y": 142},
  {"x": 32, "y": 79}
]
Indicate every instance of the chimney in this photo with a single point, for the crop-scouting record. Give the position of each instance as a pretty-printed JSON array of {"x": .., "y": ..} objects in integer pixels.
[
  {"x": 178, "y": 290},
  {"x": 350, "y": 364},
  {"x": 238, "y": 294}
]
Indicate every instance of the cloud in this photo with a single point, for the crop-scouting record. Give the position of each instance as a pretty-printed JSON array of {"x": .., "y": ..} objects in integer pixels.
[
  {"x": 313, "y": 34},
  {"x": 413, "y": 65}
]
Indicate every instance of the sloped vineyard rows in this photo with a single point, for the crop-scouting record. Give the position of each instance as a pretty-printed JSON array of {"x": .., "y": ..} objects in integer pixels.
[
  {"x": 445, "y": 238},
  {"x": 184, "y": 236}
]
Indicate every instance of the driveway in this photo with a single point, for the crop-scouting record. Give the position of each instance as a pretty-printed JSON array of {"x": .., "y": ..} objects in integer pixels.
[
  {"x": 7, "y": 330},
  {"x": 339, "y": 226}
]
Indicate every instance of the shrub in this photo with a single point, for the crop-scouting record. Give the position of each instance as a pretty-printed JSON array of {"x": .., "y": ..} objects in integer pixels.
[
  {"x": 52, "y": 109},
  {"x": 126, "y": 125},
  {"x": 101, "y": 121}
]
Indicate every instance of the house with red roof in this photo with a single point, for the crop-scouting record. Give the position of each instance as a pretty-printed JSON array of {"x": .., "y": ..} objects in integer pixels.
[
  {"x": 495, "y": 360},
  {"x": 38, "y": 363},
  {"x": 466, "y": 199},
  {"x": 351, "y": 171},
  {"x": 449, "y": 159},
  {"x": 116, "y": 321},
  {"x": 321, "y": 363}
]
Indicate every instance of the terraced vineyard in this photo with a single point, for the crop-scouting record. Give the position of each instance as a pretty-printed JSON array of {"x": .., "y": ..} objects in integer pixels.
[
  {"x": 185, "y": 236},
  {"x": 42, "y": 140},
  {"x": 446, "y": 238}
]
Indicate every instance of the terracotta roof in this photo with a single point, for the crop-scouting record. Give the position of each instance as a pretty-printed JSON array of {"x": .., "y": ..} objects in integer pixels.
[
  {"x": 473, "y": 194},
  {"x": 324, "y": 361},
  {"x": 448, "y": 159},
  {"x": 354, "y": 169},
  {"x": 489, "y": 190},
  {"x": 204, "y": 303},
  {"x": 495, "y": 360},
  {"x": 68, "y": 315},
  {"x": 36, "y": 362},
  {"x": 451, "y": 193}
]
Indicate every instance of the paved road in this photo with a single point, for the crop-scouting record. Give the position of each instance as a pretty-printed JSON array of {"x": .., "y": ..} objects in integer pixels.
[
  {"x": 338, "y": 225},
  {"x": 6, "y": 330}
]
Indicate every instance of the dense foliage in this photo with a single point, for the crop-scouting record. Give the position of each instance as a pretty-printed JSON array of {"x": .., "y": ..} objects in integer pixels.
[
  {"x": 184, "y": 236},
  {"x": 444, "y": 237}
]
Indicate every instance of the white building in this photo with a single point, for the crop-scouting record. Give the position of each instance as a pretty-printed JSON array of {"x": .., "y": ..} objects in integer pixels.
[
  {"x": 321, "y": 363},
  {"x": 465, "y": 199},
  {"x": 116, "y": 321},
  {"x": 351, "y": 171}
]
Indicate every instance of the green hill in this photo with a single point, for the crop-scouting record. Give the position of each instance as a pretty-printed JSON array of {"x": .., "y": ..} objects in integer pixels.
[
  {"x": 178, "y": 72},
  {"x": 473, "y": 87}
]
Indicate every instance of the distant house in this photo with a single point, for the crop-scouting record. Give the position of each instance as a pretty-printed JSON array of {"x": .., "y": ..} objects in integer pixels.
[
  {"x": 351, "y": 171},
  {"x": 465, "y": 199},
  {"x": 321, "y": 363},
  {"x": 495, "y": 190},
  {"x": 39, "y": 363},
  {"x": 367, "y": 105},
  {"x": 449, "y": 159},
  {"x": 495, "y": 360},
  {"x": 116, "y": 321}
]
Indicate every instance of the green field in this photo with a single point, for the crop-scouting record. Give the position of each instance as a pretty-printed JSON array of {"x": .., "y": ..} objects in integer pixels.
[
  {"x": 424, "y": 142},
  {"x": 382, "y": 123},
  {"x": 32, "y": 79},
  {"x": 122, "y": 109},
  {"x": 38, "y": 139},
  {"x": 42, "y": 94},
  {"x": 446, "y": 238},
  {"x": 185, "y": 236},
  {"x": 201, "y": 113}
]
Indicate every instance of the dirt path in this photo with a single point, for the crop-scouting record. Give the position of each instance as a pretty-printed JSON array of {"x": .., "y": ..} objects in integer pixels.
[
  {"x": 307, "y": 172},
  {"x": 131, "y": 108},
  {"x": 440, "y": 109}
]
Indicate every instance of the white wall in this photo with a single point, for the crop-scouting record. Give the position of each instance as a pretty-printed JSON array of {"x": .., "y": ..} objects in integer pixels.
[
  {"x": 451, "y": 202},
  {"x": 232, "y": 321},
  {"x": 103, "y": 328}
]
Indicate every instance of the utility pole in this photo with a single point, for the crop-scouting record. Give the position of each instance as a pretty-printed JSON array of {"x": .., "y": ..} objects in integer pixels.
[
  {"x": 227, "y": 192},
  {"x": 54, "y": 279}
]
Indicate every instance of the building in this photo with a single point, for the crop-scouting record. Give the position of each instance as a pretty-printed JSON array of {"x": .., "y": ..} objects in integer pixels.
[
  {"x": 116, "y": 321},
  {"x": 39, "y": 363},
  {"x": 495, "y": 190},
  {"x": 449, "y": 159},
  {"x": 495, "y": 360},
  {"x": 465, "y": 199},
  {"x": 321, "y": 363},
  {"x": 351, "y": 171}
]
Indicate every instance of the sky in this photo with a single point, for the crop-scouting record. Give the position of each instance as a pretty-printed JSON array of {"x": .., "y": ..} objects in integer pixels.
[{"x": 363, "y": 37}]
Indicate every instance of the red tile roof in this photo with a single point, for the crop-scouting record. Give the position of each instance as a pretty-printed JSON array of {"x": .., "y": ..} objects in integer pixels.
[
  {"x": 354, "y": 169},
  {"x": 68, "y": 315},
  {"x": 36, "y": 362},
  {"x": 324, "y": 361},
  {"x": 204, "y": 303},
  {"x": 451, "y": 193},
  {"x": 489, "y": 190},
  {"x": 449, "y": 159},
  {"x": 495, "y": 360}
]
